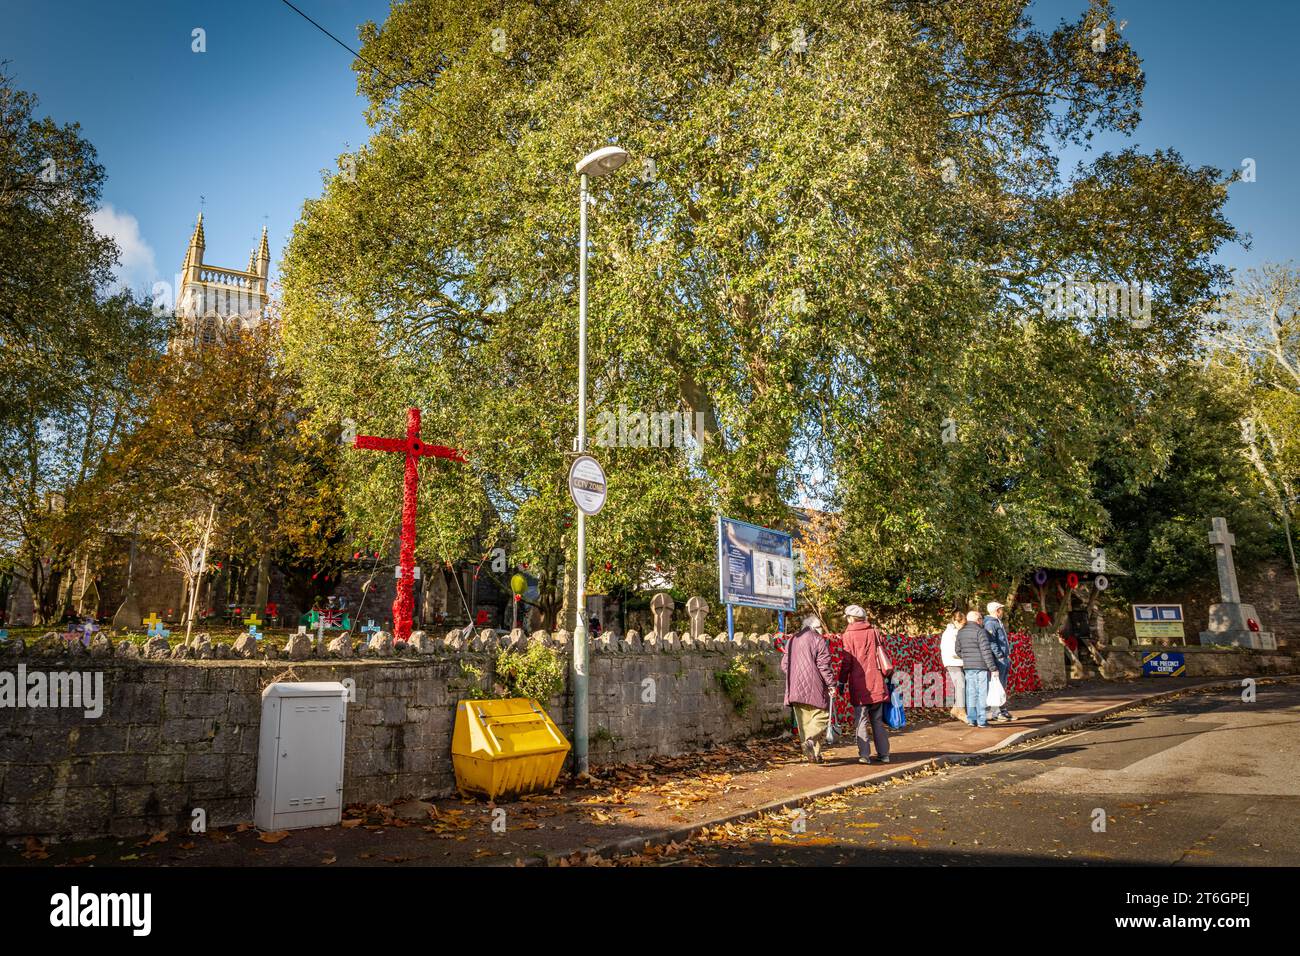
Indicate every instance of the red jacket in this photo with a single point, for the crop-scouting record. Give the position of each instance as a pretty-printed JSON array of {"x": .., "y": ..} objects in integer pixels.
[{"x": 861, "y": 665}]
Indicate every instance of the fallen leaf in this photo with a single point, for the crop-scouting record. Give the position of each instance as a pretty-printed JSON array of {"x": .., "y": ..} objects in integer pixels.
[{"x": 272, "y": 836}]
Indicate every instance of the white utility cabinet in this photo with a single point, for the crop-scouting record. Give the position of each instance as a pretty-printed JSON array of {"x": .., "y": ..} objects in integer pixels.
[{"x": 300, "y": 756}]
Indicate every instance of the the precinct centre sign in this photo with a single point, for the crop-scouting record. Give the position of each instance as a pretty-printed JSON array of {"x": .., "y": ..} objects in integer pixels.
[{"x": 1163, "y": 664}]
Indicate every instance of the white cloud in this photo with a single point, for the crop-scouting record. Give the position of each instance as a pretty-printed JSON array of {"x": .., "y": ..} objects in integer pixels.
[{"x": 136, "y": 268}]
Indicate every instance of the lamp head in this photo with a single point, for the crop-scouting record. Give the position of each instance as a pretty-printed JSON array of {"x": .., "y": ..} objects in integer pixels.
[{"x": 603, "y": 161}]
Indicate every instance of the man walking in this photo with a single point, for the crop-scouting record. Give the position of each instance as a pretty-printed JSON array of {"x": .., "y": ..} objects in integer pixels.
[
  {"x": 1000, "y": 645},
  {"x": 809, "y": 685},
  {"x": 977, "y": 660},
  {"x": 867, "y": 689}
]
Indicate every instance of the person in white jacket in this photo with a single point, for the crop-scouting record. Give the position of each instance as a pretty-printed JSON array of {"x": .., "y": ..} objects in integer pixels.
[{"x": 953, "y": 663}]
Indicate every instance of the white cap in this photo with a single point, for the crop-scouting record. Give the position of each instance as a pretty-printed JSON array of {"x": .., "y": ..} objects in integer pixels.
[
  {"x": 855, "y": 610},
  {"x": 993, "y": 607}
]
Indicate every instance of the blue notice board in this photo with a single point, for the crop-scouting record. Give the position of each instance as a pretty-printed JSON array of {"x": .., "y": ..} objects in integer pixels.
[
  {"x": 1163, "y": 664},
  {"x": 755, "y": 566}
]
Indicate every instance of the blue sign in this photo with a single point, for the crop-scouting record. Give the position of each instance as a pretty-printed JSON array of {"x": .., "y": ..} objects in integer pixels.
[
  {"x": 1163, "y": 664},
  {"x": 755, "y": 566}
]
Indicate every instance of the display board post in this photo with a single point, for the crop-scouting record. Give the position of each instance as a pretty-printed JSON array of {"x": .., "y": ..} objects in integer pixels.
[{"x": 731, "y": 624}]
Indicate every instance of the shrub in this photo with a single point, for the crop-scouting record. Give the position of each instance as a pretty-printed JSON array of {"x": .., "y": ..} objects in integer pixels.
[{"x": 536, "y": 672}]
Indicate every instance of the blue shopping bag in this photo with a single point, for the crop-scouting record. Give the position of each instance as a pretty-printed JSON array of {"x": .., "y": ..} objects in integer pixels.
[{"x": 895, "y": 716}]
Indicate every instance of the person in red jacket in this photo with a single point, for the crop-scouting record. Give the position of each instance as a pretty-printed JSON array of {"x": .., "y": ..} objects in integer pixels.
[{"x": 867, "y": 689}]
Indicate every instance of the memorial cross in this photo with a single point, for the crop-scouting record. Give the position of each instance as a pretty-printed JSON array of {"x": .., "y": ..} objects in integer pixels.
[
  {"x": 414, "y": 449},
  {"x": 1223, "y": 540}
]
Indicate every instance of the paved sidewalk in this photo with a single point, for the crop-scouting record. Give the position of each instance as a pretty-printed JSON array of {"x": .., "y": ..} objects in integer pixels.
[{"x": 620, "y": 811}]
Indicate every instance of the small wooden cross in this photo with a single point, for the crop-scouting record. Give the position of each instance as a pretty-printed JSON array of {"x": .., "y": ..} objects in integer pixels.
[{"x": 371, "y": 627}]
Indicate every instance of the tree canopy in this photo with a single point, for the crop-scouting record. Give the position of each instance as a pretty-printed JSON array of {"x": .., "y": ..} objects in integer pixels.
[{"x": 834, "y": 241}]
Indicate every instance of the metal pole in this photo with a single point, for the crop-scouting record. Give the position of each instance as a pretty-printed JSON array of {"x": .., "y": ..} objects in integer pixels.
[
  {"x": 580, "y": 761},
  {"x": 731, "y": 623}
]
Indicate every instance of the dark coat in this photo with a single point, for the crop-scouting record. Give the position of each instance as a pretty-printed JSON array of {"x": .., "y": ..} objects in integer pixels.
[
  {"x": 999, "y": 641},
  {"x": 973, "y": 648},
  {"x": 860, "y": 665},
  {"x": 807, "y": 666}
]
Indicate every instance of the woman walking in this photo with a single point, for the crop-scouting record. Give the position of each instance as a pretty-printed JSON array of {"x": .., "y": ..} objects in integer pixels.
[
  {"x": 867, "y": 689},
  {"x": 809, "y": 685},
  {"x": 952, "y": 663}
]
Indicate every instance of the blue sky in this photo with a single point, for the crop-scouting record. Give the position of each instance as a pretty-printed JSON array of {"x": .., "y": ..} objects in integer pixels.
[{"x": 250, "y": 123}]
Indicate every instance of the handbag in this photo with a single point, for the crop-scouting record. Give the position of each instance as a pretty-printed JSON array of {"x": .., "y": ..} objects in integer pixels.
[
  {"x": 997, "y": 696},
  {"x": 882, "y": 657},
  {"x": 895, "y": 716}
]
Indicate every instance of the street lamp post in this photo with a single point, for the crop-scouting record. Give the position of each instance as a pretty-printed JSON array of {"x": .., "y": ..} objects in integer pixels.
[{"x": 600, "y": 163}]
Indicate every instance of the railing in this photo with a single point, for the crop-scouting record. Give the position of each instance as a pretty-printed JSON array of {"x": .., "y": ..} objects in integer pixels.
[{"x": 242, "y": 280}]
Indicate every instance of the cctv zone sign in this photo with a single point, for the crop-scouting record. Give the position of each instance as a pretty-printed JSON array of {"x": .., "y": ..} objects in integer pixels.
[{"x": 755, "y": 566}]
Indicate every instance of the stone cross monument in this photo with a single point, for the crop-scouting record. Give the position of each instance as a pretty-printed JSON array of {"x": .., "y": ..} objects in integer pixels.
[
  {"x": 661, "y": 605},
  {"x": 698, "y": 609},
  {"x": 1232, "y": 622}
]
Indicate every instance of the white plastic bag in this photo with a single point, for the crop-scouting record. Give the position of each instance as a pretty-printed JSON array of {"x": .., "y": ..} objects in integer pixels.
[{"x": 997, "y": 697}]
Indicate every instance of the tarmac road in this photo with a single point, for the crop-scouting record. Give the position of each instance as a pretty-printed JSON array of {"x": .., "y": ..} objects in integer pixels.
[{"x": 1202, "y": 779}]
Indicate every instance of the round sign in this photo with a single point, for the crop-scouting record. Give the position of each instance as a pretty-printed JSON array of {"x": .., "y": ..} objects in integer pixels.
[{"x": 587, "y": 484}]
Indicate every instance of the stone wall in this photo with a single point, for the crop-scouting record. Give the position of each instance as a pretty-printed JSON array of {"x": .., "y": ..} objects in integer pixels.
[
  {"x": 1049, "y": 657},
  {"x": 176, "y": 735},
  {"x": 1202, "y": 662}
]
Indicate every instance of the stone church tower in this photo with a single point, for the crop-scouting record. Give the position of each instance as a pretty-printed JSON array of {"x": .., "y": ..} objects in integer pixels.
[{"x": 213, "y": 301}]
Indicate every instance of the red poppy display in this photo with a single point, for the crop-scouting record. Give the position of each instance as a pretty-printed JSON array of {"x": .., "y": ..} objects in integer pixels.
[{"x": 907, "y": 651}]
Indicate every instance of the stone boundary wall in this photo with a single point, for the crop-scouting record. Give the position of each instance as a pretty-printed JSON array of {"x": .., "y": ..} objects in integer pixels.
[
  {"x": 1125, "y": 662},
  {"x": 176, "y": 735}
]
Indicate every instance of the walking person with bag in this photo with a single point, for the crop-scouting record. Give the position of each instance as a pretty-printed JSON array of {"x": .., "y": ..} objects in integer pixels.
[
  {"x": 865, "y": 667},
  {"x": 952, "y": 663},
  {"x": 809, "y": 685},
  {"x": 972, "y": 647},
  {"x": 1000, "y": 645}
]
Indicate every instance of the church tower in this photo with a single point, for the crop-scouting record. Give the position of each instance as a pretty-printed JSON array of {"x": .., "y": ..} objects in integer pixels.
[{"x": 213, "y": 301}]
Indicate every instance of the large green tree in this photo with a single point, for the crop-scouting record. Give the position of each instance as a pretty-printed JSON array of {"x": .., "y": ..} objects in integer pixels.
[
  {"x": 67, "y": 341},
  {"x": 833, "y": 242}
]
